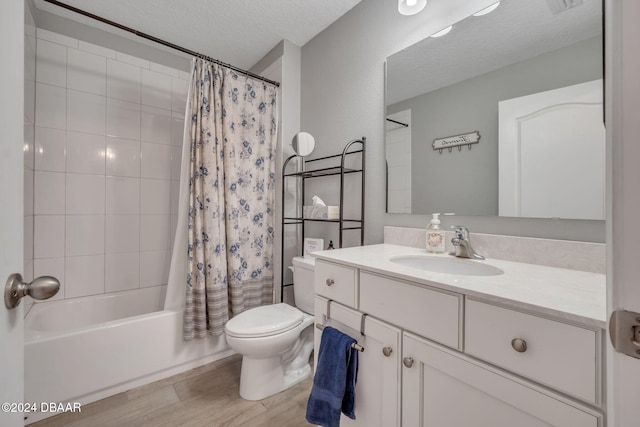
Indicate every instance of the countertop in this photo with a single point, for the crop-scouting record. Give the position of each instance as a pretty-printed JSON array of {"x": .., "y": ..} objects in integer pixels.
[{"x": 573, "y": 295}]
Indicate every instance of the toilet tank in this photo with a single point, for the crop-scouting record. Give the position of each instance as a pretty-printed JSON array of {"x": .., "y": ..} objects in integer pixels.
[{"x": 303, "y": 268}]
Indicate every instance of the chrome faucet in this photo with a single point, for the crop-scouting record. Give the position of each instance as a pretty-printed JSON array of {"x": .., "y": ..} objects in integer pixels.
[{"x": 462, "y": 244}]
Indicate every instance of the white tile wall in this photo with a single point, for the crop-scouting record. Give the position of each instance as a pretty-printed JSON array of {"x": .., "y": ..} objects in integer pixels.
[
  {"x": 98, "y": 50},
  {"x": 56, "y": 38},
  {"x": 155, "y": 196},
  {"x": 123, "y": 196},
  {"x": 156, "y": 161},
  {"x": 106, "y": 154},
  {"x": 86, "y": 72},
  {"x": 84, "y": 275},
  {"x": 84, "y": 235},
  {"x": 123, "y": 81},
  {"x": 50, "y": 149},
  {"x": 85, "y": 194},
  {"x": 51, "y": 67},
  {"x": 49, "y": 193},
  {"x": 123, "y": 119},
  {"x": 51, "y": 106},
  {"x": 48, "y": 236},
  {"x": 156, "y": 125},
  {"x": 85, "y": 153},
  {"x": 179, "y": 91},
  {"x": 154, "y": 232},
  {"x": 177, "y": 128},
  {"x": 150, "y": 274},
  {"x": 85, "y": 112},
  {"x": 123, "y": 157},
  {"x": 123, "y": 234},
  {"x": 28, "y": 191},
  {"x": 156, "y": 89},
  {"x": 122, "y": 272}
]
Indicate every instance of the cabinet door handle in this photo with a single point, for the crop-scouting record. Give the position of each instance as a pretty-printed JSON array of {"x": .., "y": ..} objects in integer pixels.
[
  {"x": 330, "y": 282},
  {"x": 387, "y": 351},
  {"x": 519, "y": 345},
  {"x": 408, "y": 362}
]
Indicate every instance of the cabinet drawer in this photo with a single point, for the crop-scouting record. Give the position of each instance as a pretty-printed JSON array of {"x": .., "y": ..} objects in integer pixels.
[
  {"x": 558, "y": 355},
  {"x": 430, "y": 313},
  {"x": 336, "y": 282}
]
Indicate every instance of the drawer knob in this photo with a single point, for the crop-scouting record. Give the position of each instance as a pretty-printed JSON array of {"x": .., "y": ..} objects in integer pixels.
[
  {"x": 330, "y": 282},
  {"x": 408, "y": 362},
  {"x": 387, "y": 351},
  {"x": 519, "y": 345}
]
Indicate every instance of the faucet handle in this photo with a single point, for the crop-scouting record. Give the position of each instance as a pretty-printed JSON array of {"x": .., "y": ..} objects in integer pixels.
[{"x": 462, "y": 232}]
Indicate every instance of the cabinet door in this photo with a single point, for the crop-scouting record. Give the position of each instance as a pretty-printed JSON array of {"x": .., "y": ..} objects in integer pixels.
[
  {"x": 378, "y": 386},
  {"x": 442, "y": 388}
]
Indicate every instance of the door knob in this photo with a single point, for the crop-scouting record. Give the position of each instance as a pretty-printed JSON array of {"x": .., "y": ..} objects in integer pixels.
[
  {"x": 408, "y": 361},
  {"x": 41, "y": 288}
]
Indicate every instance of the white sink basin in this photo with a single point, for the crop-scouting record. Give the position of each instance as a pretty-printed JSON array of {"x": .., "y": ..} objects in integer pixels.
[{"x": 454, "y": 266}]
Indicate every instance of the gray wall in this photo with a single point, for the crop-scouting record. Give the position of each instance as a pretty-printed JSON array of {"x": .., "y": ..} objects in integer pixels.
[
  {"x": 472, "y": 175},
  {"x": 343, "y": 98}
]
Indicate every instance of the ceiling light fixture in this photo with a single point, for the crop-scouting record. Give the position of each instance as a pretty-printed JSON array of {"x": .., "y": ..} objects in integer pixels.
[
  {"x": 411, "y": 7},
  {"x": 442, "y": 32},
  {"x": 488, "y": 9}
]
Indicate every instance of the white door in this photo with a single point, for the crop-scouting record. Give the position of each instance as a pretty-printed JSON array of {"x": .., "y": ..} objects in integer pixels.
[
  {"x": 11, "y": 211},
  {"x": 551, "y": 154},
  {"x": 623, "y": 232}
]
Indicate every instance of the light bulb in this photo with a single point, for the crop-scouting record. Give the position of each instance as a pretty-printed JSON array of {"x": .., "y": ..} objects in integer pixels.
[
  {"x": 488, "y": 9},
  {"x": 442, "y": 32},
  {"x": 411, "y": 7}
]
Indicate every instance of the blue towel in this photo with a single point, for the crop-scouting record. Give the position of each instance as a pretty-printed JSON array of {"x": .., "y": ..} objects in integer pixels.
[{"x": 334, "y": 385}]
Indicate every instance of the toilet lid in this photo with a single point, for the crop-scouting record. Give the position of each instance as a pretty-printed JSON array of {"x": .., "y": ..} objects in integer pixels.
[{"x": 265, "y": 320}]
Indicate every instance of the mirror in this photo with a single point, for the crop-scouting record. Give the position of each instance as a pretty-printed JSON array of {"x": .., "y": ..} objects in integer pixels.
[
  {"x": 303, "y": 143},
  {"x": 447, "y": 149}
]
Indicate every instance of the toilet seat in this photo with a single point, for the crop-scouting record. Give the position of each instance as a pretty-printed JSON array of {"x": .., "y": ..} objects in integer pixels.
[{"x": 264, "y": 321}]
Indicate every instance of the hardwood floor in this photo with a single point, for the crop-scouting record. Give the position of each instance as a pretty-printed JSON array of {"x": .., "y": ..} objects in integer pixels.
[{"x": 204, "y": 396}]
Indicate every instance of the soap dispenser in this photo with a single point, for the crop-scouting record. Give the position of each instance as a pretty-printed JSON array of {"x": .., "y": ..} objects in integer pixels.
[{"x": 435, "y": 236}]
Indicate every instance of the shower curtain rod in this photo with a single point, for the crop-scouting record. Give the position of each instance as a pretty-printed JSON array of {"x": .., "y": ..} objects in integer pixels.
[{"x": 159, "y": 41}]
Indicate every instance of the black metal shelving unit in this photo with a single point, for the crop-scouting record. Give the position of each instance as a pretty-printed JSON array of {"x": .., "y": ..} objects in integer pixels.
[{"x": 354, "y": 147}]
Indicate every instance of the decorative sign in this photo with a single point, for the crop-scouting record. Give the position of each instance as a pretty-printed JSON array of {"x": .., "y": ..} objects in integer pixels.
[{"x": 456, "y": 141}]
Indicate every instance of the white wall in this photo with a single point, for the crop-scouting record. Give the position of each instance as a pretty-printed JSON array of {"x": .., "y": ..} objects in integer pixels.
[
  {"x": 343, "y": 98},
  {"x": 282, "y": 64},
  {"x": 108, "y": 136}
]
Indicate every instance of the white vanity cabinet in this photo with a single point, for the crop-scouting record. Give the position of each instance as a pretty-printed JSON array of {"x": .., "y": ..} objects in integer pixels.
[
  {"x": 378, "y": 386},
  {"x": 463, "y": 361},
  {"x": 444, "y": 388}
]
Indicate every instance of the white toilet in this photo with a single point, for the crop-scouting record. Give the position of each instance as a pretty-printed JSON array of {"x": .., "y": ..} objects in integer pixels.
[{"x": 276, "y": 340}]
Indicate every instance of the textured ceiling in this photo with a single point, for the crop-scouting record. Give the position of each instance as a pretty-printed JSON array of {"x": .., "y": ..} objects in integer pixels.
[
  {"x": 517, "y": 30},
  {"x": 239, "y": 32}
]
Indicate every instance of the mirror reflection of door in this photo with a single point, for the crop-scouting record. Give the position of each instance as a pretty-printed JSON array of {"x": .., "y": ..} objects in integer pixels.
[{"x": 551, "y": 148}]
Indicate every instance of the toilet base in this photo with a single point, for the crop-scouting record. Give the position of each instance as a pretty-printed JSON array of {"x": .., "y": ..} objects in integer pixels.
[{"x": 261, "y": 378}]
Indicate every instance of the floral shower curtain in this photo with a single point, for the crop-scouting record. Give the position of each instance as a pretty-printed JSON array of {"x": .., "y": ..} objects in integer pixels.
[{"x": 231, "y": 197}]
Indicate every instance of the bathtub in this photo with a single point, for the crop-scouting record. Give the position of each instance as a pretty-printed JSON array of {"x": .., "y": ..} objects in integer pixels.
[{"x": 85, "y": 349}]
